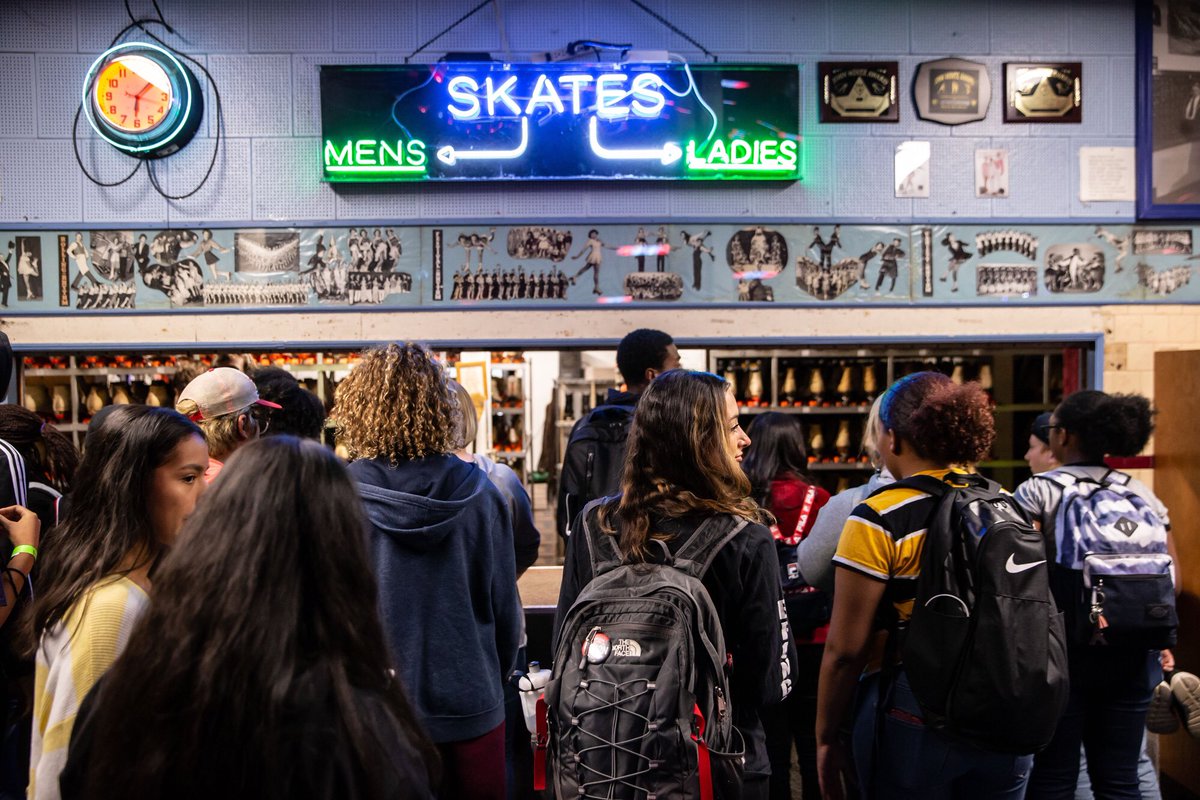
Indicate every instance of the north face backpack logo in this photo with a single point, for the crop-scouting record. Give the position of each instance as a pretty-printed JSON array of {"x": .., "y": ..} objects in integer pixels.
[{"x": 1126, "y": 526}]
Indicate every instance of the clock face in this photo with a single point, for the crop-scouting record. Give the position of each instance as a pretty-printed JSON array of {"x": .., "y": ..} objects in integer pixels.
[
  {"x": 134, "y": 94},
  {"x": 142, "y": 99}
]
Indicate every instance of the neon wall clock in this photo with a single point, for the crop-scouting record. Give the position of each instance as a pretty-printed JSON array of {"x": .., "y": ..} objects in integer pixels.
[
  {"x": 493, "y": 121},
  {"x": 142, "y": 99}
]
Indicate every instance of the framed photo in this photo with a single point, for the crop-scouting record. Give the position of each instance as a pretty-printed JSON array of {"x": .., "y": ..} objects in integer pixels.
[
  {"x": 1168, "y": 110},
  {"x": 858, "y": 91},
  {"x": 952, "y": 91},
  {"x": 1043, "y": 92}
]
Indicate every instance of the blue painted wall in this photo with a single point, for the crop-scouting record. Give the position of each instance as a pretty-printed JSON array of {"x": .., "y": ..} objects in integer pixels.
[{"x": 263, "y": 54}]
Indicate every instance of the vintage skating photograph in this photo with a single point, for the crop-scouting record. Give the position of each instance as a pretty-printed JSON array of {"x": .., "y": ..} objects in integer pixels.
[
  {"x": 1026, "y": 244},
  {"x": 256, "y": 294},
  {"x": 474, "y": 243},
  {"x": 761, "y": 249},
  {"x": 958, "y": 255},
  {"x": 527, "y": 242},
  {"x": 24, "y": 261},
  {"x": 372, "y": 288},
  {"x": 376, "y": 251},
  {"x": 106, "y": 296},
  {"x": 168, "y": 270},
  {"x": 1158, "y": 242},
  {"x": 754, "y": 291},
  {"x": 1075, "y": 268},
  {"x": 258, "y": 252},
  {"x": 1010, "y": 280},
  {"x": 1163, "y": 281},
  {"x": 1119, "y": 241},
  {"x": 112, "y": 255},
  {"x": 654, "y": 285},
  {"x": 499, "y": 283}
]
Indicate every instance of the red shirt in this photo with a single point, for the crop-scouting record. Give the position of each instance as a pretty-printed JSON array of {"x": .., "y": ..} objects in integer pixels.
[
  {"x": 795, "y": 504},
  {"x": 794, "y": 507}
]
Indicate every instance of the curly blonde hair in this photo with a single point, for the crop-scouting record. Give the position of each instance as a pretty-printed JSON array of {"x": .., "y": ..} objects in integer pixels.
[{"x": 396, "y": 404}]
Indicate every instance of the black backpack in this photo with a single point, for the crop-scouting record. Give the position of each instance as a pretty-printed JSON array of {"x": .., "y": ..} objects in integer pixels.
[
  {"x": 808, "y": 607},
  {"x": 593, "y": 461},
  {"x": 985, "y": 648},
  {"x": 638, "y": 702}
]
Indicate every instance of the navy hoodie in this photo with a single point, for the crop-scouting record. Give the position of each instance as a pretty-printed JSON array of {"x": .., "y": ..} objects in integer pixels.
[{"x": 441, "y": 544}]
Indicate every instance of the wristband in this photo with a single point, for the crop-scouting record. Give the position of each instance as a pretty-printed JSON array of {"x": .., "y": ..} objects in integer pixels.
[{"x": 24, "y": 548}]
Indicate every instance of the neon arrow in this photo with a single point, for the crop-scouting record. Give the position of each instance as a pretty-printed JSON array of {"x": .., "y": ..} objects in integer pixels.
[
  {"x": 449, "y": 156},
  {"x": 669, "y": 153}
]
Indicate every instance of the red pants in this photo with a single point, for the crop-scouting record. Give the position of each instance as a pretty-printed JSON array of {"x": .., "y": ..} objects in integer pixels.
[{"x": 473, "y": 769}]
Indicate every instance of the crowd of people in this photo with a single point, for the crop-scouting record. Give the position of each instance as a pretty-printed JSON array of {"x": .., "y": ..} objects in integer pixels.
[{"x": 224, "y": 607}]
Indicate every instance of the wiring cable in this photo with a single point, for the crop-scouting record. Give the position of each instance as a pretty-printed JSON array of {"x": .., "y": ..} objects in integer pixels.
[{"x": 673, "y": 29}]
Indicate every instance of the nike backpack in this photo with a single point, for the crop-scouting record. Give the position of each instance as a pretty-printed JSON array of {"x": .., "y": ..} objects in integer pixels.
[
  {"x": 985, "y": 649},
  {"x": 1115, "y": 547},
  {"x": 638, "y": 702}
]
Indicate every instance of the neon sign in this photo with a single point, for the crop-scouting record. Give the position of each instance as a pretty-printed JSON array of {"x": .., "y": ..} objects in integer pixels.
[{"x": 489, "y": 121}]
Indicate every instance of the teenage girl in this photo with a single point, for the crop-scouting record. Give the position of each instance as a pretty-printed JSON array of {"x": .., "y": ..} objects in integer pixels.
[
  {"x": 682, "y": 466},
  {"x": 138, "y": 481},
  {"x": 1111, "y": 686},
  {"x": 246, "y": 678},
  {"x": 929, "y": 425},
  {"x": 776, "y": 463}
]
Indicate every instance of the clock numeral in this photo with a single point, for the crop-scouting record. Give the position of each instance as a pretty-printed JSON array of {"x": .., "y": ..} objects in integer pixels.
[
  {"x": 149, "y": 120},
  {"x": 112, "y": 109},
  {"x": 122, "y": 73},
  {"x": 108, "y": 96},
  {"x": 123, "y": 118},
  {"x": 137, "y": 123},
  {"x": 165, "y": 97},
  {"x": 113, "y": 83},
  {"x": 161, "y": 108}
]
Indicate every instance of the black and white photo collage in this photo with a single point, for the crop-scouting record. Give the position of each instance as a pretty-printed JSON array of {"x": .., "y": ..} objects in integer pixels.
[{"x": 575, "y": 265}]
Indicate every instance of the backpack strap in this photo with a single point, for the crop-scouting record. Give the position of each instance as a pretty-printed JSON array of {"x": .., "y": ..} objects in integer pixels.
[
  {"x": 604, "y": 554},
  {"x": 697, "y": 553},
  {"x": 938, "y": 487}
]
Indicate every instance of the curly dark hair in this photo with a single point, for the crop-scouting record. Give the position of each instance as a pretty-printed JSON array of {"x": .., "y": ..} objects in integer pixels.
[
  {"x": 1107, "y": 424},
  {"x": 942, "y": 421}
]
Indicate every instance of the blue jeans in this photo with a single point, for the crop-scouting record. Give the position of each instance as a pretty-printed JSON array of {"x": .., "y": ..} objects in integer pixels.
[
  {"x": 1147, "y": 777},
  {"x": 1106, "y": 713},
  {"x": 911, "y": 761}
]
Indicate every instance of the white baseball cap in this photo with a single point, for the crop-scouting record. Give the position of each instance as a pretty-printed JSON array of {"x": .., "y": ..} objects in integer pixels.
[{"x": 222, "y": 391}]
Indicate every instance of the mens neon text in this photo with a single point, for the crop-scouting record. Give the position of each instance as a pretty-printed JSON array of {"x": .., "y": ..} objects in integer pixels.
[{"x": 617, "y": 95}]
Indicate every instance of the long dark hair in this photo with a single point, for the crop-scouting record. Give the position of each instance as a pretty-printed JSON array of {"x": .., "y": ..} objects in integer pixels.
[
  {"x": 264, "y": 627},
  {"x": 109, "y": 514},
  {"x": 677, "y": 460},
  {"x": 776, "y": 449},
  {"x": 42, "y": 446},
  {"x": 1107, "y": 424}
]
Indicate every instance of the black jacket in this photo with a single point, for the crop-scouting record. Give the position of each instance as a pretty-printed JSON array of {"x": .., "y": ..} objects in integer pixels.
[
  {"x": 743, "y": 583},
  {"x": 595, "y": 457}
]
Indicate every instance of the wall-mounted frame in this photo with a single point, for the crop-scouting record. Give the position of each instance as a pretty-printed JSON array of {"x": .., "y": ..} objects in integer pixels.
[
  {"x": 1043, "y": 91},
  {"x": 1168, "y": 110},
  {"x": 859, "y": 91}
]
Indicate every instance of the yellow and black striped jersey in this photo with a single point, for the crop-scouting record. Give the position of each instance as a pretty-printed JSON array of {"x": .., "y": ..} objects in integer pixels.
[{"x": 883, "y": 539}]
